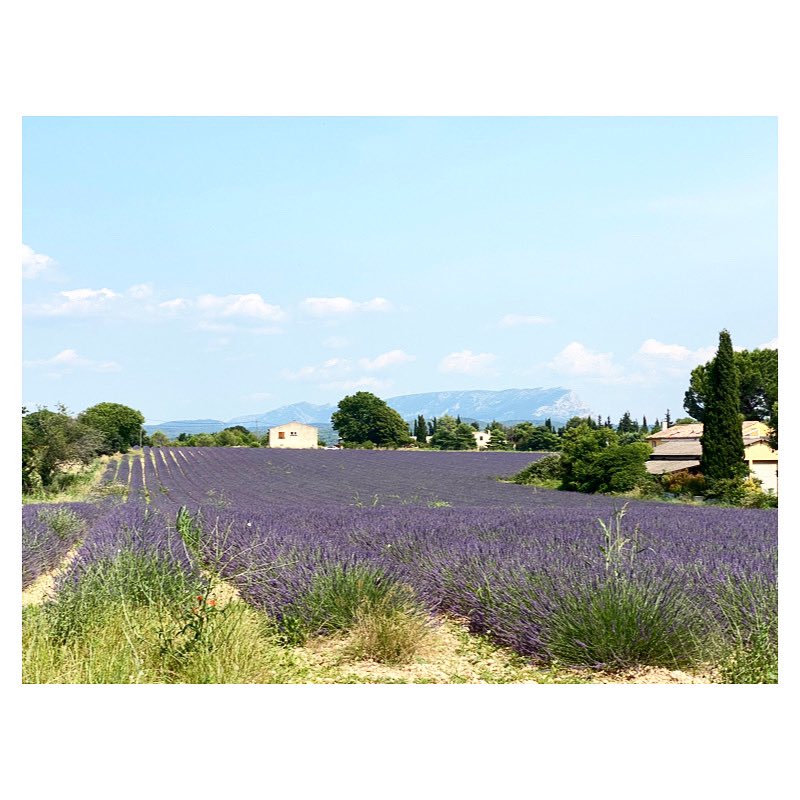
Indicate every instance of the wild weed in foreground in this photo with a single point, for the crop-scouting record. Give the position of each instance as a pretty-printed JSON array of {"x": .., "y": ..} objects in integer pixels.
[
  {"x": 128, "y": 647},
  {"x": 388, "y": 633},
  {"x": 128, "y": 581}
]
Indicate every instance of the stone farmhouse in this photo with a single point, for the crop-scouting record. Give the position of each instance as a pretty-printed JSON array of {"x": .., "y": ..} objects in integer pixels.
[
  {"x": 293, "y": 434},
  {"x": 678, "y": 448}
]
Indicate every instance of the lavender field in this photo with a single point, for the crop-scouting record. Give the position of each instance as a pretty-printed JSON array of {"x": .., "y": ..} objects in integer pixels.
[{"x": 532, "y": 569}]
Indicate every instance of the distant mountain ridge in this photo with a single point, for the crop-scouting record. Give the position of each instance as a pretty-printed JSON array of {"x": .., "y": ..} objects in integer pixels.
[{"x": 508, "y": 405}]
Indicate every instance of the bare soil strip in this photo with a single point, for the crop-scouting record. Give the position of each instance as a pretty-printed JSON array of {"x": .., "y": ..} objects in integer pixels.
[{"x": 42, "y": 588}]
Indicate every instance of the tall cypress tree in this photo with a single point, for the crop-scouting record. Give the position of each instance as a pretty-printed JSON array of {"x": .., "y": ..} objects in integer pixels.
[{"x": 723, "y": 448}]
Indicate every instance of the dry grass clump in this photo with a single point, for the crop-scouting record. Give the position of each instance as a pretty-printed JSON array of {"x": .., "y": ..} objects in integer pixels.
[{"x": 388, "y": 634}]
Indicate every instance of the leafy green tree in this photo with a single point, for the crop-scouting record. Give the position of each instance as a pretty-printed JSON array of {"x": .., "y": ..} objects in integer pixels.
[
  {"x": 621, "y": 468},
  {"x": 722, "y": 446},
  {"x": 120, "y": 425},
  {"x": 772, "y": 438},
  {"x": 593, "y": 460},
  {"x": 757, "y": 373},
  {"x": 499, "y": 437},
  {"x": 363, "y": 417},
  {"x": 159, "y": 439},
  {"x": 452, "y": 435},
  {"x": 52, "y": 441},
  {"x": 581, "y": 446},
  {"x": 527, "y": 436}
]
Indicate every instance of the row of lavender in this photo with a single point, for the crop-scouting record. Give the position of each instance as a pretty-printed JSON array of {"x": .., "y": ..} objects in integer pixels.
[
  {"x": 506, "y": 557},
  {"x": 50, "y": 532},
  {"x": 507, "y": 571}
]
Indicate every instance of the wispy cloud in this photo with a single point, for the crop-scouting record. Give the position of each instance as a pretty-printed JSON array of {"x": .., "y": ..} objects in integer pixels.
[
  {"x": 578, "y": 360},
  {"x": 385, "y": 360},
  {"x": 68, "y": 361},
  {"x": 342, "y": 306},
  {"x": 76, "y": 302},
  {"x": 175, "y": 305},
  {"x": 251, "y": 306},
  {"x": 33, "y": 263},
  {"x": 141, "y": 291},
  {"x": 466, "y": 362},
  {"x": 519, "y": 320},
  {"x": 653, "y": 349},
  {"x": 327, "y": 370}
]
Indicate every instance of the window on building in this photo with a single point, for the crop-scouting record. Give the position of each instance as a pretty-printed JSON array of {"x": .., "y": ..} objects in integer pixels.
[{"x": 281, "y": 434}]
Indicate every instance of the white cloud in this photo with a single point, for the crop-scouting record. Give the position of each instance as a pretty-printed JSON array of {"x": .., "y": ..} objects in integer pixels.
[
  {"x": 466, "y": 362},
  {"x": 33, "y": 263},
  {"x": 141, "y": 291},
  {"x": 772, "y": 344},
  {"x": 238, "y": 305},
  {"x": 77, "y": 302},
  {"x": 328, "y": 370},
  {"x": 577, "y": 359},
  {"x": 652, "y": 348},
  {"x": 338, "y": 306},
  {"x": 68, "y": 360},
  {"x": 177, "y": 304},
  {"x": 385, "y": 360},
  {"x": 517, "y": 320},
  {"x": 88, "y": 295}
]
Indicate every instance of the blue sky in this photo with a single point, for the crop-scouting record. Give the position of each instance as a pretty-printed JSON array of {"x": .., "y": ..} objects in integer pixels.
[{"x": 217, "y": 267}]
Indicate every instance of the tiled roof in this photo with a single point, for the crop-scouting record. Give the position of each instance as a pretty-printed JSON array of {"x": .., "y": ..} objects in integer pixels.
[
  {"x": 751, "y": 429},
  {"x": 687, "y": 447},
  {"x": 661, "y": 467}
]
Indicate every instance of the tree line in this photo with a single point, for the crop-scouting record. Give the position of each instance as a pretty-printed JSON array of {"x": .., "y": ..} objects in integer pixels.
[
  {"x": 595, "y": 454},
  {"x": 55, "y": 443}
]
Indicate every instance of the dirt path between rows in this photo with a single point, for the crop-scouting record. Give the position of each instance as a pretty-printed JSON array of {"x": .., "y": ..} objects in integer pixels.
[{"x": 42, "y": 588}]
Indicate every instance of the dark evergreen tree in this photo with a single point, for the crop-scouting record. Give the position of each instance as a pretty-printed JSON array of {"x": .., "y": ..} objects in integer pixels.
[
  {"x": 722, "y": 446},
  {"x": 668, "y": 419},
  {"x": 644, "y": 429},
  {"x": 625, "y": 424}
]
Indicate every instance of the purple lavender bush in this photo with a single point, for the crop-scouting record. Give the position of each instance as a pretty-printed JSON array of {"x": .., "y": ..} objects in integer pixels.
[
  {"x": 308, "y": 535},
  {"x": 49, "y": 532}
]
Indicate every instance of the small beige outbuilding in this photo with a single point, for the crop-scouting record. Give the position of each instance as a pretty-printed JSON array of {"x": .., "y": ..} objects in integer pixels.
[{"x": 293, "y": 434}]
